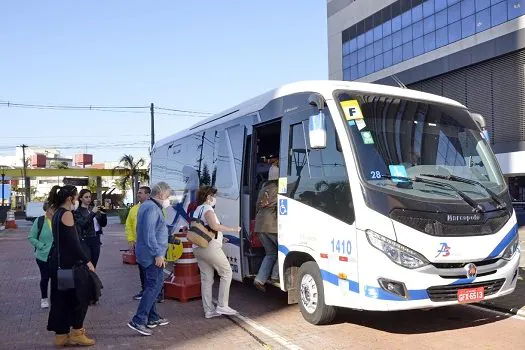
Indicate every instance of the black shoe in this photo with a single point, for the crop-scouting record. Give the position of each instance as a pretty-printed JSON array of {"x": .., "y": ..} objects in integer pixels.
[
  {"x": 160, "y": 300},
  {"x": 140, "y": 328},
  {"x": 159, "y": 322}
]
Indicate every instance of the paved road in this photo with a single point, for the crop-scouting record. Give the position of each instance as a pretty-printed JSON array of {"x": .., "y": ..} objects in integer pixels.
[{"x": 267, "y": 319}]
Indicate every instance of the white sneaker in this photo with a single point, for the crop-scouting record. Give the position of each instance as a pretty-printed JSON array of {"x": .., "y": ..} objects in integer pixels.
[
  {"x": 226, "y": 310},
  {"x": 44, "y": 303},
  {"x": 212, "y": 314}
]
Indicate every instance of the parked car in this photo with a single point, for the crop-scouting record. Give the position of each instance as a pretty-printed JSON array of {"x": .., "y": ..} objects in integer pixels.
[{"x": 34, "y": 210}]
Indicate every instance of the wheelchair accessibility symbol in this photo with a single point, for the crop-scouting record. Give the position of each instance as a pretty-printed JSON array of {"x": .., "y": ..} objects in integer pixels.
[{"x": 283, "y": 207}]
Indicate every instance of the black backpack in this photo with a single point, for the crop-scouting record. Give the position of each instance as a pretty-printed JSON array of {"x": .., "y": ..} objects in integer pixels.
[{"x": 39, "y": 225}]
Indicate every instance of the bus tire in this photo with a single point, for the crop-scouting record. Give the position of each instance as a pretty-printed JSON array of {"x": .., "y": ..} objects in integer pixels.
[{"x": 311, "y": 295}]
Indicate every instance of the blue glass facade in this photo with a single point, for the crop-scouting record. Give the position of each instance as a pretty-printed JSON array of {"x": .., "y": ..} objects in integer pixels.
[{"x": 409, "y": 28}]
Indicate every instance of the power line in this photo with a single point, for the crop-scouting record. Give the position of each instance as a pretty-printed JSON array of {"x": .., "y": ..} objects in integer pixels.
[
  {"x": 182, "y": 111},
  {"x": 113, "y": 109}
]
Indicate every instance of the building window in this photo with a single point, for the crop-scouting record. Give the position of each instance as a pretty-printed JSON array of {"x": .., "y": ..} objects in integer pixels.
[
  {"x": 467, "y": 8},
  {"x": 498, "y": 14},
  {"x": 428, "y": 8},
  {"x": 387, "y": 58},
  {"x": 441, "y": 19},
  {"x": 378, "y": 32},
  {"x": 378, "y": 47},
  {"x": 430, "y": 42},
  {"x": 483, "y": 20},
  {"x": 482, "y": 4},
  {"x": 516, "y": 8},
  {"x": 387, "y": 43},
  {"x": 369, "y": 66},
  {"x": 468, "y": 26},
  {"x": 361, "y": 71},
  {"x": 419, "y": 47},
  {"x": 454, "y": 13},
  {"x": 397, "y": 55},
  {"x": 454, "y": 32},
  {"x": 396, "y": 23},
  {"x": 442, "y": 37},
  {"x": 407, "y": 34},
  {"x": 440, "y": 5},
  {"x": 417, "y": 29},
  {"x": 361, "y": 55},
  {"x": 407, "y": 51},
  {"x": 387, "y": 28},
  {"x": 353, "y": 73},
  {"x": 397, "y": 39},
  {"x": 429, "y": 24},
  {"x": 378, "y": 62}
]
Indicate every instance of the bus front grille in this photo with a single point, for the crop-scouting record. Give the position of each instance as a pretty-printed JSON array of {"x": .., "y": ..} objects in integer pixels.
[{"x": 450, "y": 292}]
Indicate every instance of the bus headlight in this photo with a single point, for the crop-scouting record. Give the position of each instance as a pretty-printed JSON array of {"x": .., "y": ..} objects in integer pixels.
[
  {"x": 512, "y": 248},
  {"x": 398, "y": 253}
]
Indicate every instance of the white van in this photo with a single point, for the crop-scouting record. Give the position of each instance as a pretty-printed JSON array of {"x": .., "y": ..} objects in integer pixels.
[{"x": 34, "y": 210}]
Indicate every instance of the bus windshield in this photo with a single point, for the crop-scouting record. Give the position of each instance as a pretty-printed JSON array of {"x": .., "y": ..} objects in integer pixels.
[{"x": 397, "y": 138}]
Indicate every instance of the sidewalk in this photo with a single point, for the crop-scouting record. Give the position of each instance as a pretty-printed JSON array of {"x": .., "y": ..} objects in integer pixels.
[
  {"x": 23, "y": 323},
  {"x": 515, "y": 302}
]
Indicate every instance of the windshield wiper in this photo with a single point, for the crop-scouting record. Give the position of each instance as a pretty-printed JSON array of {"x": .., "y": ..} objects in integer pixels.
[
  {"x": 495, "y": 198},
  {"x": 476, "y": 206}
]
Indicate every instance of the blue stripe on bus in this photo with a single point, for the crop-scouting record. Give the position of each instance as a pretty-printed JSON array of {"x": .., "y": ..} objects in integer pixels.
[
  {"x": 504, "y": 243},
  {"x": 283, "y": 249},
  {"x": 379, "y": 293},
  {"x": 233, "y": 240},
  {"x": 334, "y": 279}
]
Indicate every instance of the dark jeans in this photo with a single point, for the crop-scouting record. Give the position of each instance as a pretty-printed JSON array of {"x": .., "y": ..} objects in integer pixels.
[
  {"x": 44, "y": 276},
  {"x": 141, "y": 273},
  {"x": 91, "y": 246},
  {"x": 147, "y": 309},
  {"x": 66, "y": 311}
]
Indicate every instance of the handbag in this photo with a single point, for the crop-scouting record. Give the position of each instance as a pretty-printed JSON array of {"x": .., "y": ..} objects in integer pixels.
[
  {"x": 198, "y": 233},
  {"x": 65, "y": 277}
]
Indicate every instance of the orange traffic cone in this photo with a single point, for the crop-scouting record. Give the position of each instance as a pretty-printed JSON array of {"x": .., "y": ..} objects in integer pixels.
[
  {"x": 185, "y": 281},
  {"x": 10, "y": 220}
]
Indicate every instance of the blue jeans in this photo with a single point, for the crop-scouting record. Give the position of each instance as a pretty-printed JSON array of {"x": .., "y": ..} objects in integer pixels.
[
  {"x": 269, "y": 264},
  {"x": 153, "y": 281}
]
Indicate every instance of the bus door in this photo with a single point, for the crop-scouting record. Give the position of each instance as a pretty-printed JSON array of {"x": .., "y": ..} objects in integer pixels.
[
  {"x": 315, "y": 209},
  {"x": 228, "y": 180}
]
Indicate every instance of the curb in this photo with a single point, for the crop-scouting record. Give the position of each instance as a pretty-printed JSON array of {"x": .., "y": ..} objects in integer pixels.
[{"x": 513, "y": 311}]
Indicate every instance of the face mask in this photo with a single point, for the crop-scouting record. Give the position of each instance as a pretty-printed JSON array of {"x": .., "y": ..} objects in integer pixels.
[
  {"x": 166, "y": 203},
  {"x": 213, "y": 201}
]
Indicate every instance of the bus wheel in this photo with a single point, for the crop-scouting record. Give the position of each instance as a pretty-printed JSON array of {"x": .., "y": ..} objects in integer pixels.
[{"x": 311, "y": 295}]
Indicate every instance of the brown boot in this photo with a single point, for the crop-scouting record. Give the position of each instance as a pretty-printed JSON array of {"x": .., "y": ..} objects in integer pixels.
[
  {"x": 78, "y": 337},
  {"x": 61, "y": 340}
]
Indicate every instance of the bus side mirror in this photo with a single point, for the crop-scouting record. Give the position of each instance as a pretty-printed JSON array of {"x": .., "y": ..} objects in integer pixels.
[
  {"x": 480, "y": 121},
  {"x": 317, "y": 130}
]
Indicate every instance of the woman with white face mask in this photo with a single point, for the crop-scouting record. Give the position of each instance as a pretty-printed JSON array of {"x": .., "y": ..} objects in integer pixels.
[{"x": 212, "y": 257}]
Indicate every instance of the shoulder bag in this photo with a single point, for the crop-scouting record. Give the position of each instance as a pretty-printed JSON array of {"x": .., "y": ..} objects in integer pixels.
[
  {"x": 65, "y": 277},
  {"x": 198, "y": 233}
]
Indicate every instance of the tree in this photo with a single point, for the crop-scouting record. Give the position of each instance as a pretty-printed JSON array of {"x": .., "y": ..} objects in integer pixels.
[
  {"x": 58, "y": 165},
  {"x": 127, "y": 162},
  {"x": 205, "y": 178}
]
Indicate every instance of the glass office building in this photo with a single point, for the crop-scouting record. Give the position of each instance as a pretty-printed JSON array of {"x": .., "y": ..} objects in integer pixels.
[{"x": 472, "y": 51}]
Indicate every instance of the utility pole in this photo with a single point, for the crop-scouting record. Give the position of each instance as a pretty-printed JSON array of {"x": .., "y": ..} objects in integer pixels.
[
  {"x": 152, "y": 110},
  {"x": 27, "y": 183}
]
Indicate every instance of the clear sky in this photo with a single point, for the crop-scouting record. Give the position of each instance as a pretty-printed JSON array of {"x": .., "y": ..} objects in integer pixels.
[{"x": 192, "y": 55}]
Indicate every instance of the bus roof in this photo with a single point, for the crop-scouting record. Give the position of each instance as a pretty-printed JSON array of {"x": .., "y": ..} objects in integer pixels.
[{"x": 324, "y": 87}]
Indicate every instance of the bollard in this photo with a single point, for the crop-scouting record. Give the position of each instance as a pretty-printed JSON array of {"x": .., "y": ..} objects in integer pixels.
[
  {"x": 185, "y": 281},
  {"x": 10, "y": 220}
]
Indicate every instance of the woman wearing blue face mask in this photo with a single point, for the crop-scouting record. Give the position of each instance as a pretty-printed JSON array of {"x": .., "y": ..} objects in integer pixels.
[{"x": 212, "y": 257}]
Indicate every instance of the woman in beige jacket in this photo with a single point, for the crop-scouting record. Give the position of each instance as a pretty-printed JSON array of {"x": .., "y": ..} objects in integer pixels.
[{"x": 266, "y": 226}]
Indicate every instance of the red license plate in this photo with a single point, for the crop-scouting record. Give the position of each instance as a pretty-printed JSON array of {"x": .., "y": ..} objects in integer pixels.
[{"x": 471, "y": 295}]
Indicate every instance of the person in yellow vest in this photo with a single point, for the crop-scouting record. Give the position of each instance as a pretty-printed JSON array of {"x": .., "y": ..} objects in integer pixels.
[{"x": 131, "y": 230}]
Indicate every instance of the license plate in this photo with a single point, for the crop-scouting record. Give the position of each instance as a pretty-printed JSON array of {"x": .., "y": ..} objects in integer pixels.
[{"x": 471, "y": 295}]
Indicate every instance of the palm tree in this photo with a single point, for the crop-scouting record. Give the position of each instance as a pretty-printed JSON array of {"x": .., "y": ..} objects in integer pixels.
[{"x": 127, "y": 162}]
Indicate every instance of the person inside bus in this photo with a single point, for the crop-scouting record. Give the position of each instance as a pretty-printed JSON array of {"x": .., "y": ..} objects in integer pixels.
[
  {"x": 266, "y": 226},
  {"x": 212, "y": 257}
]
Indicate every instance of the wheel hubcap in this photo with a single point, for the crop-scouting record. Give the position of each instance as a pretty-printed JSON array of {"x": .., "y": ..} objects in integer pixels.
[{"x": 309, "y": 295}]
